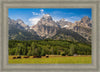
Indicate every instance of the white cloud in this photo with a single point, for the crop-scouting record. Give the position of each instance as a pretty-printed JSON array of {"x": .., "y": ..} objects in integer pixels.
[
  {"x": 34, "y": 21},
  {"x": 34, "y": 13},
  {"x": 56, "y": 18},
  {"x": 72, "y": 17},
  {"x": 75, "y": 17},
  {"x": 42, "y": 10}
]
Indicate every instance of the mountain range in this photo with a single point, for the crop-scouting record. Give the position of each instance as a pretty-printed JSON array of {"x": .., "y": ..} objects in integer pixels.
[{"x": 47, "y": 28}]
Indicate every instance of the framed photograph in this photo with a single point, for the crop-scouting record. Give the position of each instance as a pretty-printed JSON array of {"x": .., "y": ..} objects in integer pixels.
[{"x": 49, "y": 35}]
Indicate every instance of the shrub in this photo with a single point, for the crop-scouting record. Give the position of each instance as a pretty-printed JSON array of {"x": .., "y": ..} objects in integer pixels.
[{"x": 63, "y": 53}]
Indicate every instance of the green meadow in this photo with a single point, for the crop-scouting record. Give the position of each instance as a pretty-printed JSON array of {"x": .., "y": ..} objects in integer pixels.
[{"x": 52, "y": 60}]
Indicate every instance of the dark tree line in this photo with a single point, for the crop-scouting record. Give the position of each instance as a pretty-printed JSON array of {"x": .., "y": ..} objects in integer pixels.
[{"x": 48, "y": 47}]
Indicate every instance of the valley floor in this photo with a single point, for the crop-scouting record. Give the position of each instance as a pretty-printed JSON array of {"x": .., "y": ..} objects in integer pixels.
[{"x": 87, "y": 59}]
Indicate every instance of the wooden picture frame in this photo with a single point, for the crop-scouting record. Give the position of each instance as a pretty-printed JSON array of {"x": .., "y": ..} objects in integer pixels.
[{"x": 93, "y": 4}]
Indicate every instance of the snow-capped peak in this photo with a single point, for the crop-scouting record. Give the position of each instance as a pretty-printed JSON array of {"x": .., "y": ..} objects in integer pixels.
[
  {"x": 63, "y": 19},
  {"x": 66, "y": 26},
  {"x": 46, "y": 15}
]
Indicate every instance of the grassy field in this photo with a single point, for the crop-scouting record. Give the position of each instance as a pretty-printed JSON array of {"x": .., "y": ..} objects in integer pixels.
[{"x": 52, "y": 60}]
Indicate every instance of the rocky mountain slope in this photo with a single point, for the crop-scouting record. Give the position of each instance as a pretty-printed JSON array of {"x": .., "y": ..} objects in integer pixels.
[
  {"x": 70, "y": 35},
  {"x": 20, "y": 31},
  {"x": 65, "y": 24},
  {"x": 46, "y": 27},
  {"x": 83, "y": 27},
  {"x": 18, "y": 24}
]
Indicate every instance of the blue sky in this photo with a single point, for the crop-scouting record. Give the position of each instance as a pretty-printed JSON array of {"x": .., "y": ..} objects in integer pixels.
[{"x": 31, "y": 16}]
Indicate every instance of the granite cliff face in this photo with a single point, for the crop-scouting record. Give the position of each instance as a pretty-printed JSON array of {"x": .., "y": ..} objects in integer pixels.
[
  {"x": 85, "y": 22},
  {"x": 19, "y": 21},
  {"x": 65, "y": 24},
  {"x": 20, "y": 31},
  {"x": 83, "y": 27},
  {"x": 18, "y": 24},
  {"x": 46, "y": 27}
]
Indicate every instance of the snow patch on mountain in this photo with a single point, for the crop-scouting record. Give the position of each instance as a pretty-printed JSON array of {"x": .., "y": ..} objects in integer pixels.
[{"x": 66, "y": 26}]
